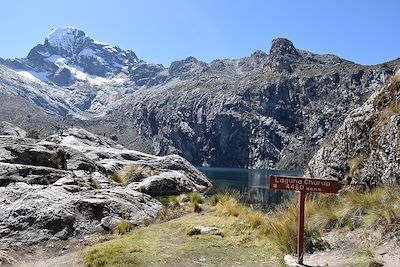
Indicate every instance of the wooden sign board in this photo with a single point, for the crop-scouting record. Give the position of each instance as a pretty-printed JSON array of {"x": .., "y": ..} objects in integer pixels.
[{"x": 303, "y": 184}]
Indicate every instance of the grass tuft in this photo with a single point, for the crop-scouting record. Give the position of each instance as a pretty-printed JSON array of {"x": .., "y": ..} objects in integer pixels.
[
  {"x": 125, "y": 226},
  {"x": 196, "y": 207},
  {"x": 119, "y": 179},
  {"x": 390, "y": 110},
  {"x": 214, "y": 199},
  {"x": 94, "y": 183},
  {"x": 255, "y": 219},
  {"x": 191, "y": 230},
  {"x": 132, "y": 173},
  {"x": 196, "y": 197}
]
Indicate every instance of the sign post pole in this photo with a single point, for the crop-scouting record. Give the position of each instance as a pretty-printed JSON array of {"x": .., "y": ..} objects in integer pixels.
[
  {"x": 303, "y": 185},
  {"x": 300, "y": 230}
]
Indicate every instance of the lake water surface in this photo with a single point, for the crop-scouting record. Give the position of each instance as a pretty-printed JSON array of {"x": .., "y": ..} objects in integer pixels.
[{"x": 252, "y": 185}]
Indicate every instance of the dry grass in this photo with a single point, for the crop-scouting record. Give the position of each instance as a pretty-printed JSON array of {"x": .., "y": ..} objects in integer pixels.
[
  {"x": 125, "y": 226},
  {"x": 94, "y": 183},
  {"x": 132, "y": 173},
  {"x": 195, "y": 197},
  {"x": 214, "y": 199},
  {"x": 378, "y": 209},
  {"x": 119, "y": 179},
  {"x": 355, "y": 164},
  {"x": 280, "y": 227},
  {"x": 390, "y": 110}
]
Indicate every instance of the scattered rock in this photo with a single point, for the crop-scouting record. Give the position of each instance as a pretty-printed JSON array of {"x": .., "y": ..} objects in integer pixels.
[{"x": 206, "y": 230}]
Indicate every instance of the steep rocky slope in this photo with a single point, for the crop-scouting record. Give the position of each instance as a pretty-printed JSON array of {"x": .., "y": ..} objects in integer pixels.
[
  {"x": 365, "y": 151},
  {"x": 261, "y": 111},
  {"x": 63, "y": 186},
  {"x": 253, "y": 112}
]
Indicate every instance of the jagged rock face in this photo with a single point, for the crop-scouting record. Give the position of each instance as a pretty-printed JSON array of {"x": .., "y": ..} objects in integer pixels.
[
  {"x": 62, "y": 187},
  {"x": 365, "y": 151},
  {"x": 281, "y": 54},
  {"x": 262, "y": 111},
  {"x": 271, "y": 115}
]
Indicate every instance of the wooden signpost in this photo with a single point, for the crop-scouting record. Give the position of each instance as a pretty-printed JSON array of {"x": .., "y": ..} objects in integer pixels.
[{"x": 303, "y": 185}]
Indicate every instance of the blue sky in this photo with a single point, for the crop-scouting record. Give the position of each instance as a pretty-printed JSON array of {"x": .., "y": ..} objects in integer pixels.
[{"x": 159, "y": 31}]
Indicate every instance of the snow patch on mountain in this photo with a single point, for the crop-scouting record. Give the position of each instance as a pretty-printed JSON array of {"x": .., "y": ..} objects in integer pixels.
[
  {"x": 65, "y": 38},
  {"x": 33, "y": 75}
]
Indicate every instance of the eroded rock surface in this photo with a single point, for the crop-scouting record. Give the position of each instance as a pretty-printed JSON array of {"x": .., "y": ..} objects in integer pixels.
[
  {"x": 62, "y": 186},
  {"x": 366, "y": 148}
]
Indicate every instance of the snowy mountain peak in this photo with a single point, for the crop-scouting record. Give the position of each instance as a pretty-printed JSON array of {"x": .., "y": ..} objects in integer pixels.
[
  {"x": 69, "y": 56},
  {"x": 67, "y": 40}
]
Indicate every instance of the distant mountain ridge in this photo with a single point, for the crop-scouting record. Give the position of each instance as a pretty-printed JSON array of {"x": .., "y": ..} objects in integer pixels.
[{"x": 258, "y": 111}]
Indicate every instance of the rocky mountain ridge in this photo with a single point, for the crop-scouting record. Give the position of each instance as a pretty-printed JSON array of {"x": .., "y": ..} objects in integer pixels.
[
  {"x": 259, "y": 111},
  {"x": 365, "y": 150}
]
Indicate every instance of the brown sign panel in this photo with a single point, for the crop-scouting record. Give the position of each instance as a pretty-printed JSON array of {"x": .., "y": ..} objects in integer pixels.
[{"x": 303, "y": 184}]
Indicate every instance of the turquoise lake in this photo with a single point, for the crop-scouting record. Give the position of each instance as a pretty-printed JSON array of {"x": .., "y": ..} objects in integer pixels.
[{"x": 252, "y": 185}]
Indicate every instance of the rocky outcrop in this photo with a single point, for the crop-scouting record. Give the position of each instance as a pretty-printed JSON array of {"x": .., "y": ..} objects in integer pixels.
[
  {"x": 64, "y": 185},
  {"x": 365, "y": 151},
  {"x": 167, "y": 183},
  {"x": 34, "y": 213},
  {"x": 9, "y": 129}
]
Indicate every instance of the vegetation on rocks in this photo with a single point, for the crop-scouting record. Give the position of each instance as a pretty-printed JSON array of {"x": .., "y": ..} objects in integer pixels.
[
  {"x": 366, "y": 148},
  {"x": 131, "y": 174}
]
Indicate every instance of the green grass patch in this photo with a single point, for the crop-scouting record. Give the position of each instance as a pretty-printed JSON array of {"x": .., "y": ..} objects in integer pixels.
[
  {"x": 365, "y": 258},
  {"x": 172, "y": 244}
]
